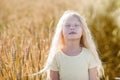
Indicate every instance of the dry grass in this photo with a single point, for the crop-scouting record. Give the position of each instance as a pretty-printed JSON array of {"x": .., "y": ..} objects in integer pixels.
[{"x": 26, "y": 30}]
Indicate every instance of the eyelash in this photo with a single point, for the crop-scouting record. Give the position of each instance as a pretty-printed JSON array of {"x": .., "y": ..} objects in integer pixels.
[
  {"x": 74, "y": 25},
  {"x": 67, "y": 25}
]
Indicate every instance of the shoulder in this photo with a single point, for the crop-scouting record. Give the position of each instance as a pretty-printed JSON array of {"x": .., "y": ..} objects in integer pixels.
[
  {"x": 88, "y": 53},
  {"x": 90, "y": 58},
  {"x": 57, "y": 54}
]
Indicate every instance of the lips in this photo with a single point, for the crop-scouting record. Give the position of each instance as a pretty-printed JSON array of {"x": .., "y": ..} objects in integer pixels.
[{"x": 72, "y": 33}]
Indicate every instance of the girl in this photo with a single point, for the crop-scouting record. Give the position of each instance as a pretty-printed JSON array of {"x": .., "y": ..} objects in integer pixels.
[{"x": 73, "y": 54}]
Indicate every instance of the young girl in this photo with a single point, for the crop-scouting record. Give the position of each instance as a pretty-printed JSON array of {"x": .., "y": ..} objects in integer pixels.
[{"x": 73, "y": 54}]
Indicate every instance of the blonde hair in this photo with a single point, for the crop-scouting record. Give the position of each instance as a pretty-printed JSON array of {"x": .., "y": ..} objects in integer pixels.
[{"x": 86, "y": 41}]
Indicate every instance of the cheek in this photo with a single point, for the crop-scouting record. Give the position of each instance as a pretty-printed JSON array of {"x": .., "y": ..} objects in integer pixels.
[
  {"x": 80, "y": 31},
  {"x": 64, "y": 31}
]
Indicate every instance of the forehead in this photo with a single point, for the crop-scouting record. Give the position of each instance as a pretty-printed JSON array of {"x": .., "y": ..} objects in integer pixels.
[{"x": 71, "y": 19}]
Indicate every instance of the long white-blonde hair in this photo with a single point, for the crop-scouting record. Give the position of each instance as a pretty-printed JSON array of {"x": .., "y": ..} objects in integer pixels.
[{"x": 57, "y": 42}]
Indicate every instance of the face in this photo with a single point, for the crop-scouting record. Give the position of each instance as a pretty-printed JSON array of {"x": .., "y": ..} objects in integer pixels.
[{"x": 72, "y": 28}]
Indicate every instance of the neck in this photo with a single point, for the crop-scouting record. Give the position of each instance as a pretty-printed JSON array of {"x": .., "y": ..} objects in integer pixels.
[{"x": 72, "y": 45}]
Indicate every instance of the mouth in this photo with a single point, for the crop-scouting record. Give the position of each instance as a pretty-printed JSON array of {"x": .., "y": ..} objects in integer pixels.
[{"x": 72, "y": 33}]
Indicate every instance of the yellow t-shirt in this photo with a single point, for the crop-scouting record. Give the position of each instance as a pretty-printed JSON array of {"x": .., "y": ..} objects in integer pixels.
[{"x": 73, "y": 67}]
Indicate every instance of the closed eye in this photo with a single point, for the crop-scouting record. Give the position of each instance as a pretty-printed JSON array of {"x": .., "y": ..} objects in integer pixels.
[
  {"x": 67, "y": 25},
  {"x": 76, "y": 25}
]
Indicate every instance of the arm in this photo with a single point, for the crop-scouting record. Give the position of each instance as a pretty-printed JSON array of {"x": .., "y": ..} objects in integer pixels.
[
  {"x": 54, "y": 75},
  {"x": 93, "y": 74}
]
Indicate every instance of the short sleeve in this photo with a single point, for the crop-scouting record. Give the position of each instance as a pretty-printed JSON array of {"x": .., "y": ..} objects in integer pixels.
[
  {"x": 92, "y": 61},
  {"x": 54, "y": 64}
]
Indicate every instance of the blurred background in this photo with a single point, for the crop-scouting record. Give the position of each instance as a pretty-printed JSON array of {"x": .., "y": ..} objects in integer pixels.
[{"x": 27, "y": 27}]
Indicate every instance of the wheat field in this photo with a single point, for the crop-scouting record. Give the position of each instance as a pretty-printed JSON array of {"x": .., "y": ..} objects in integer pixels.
[{"x": 27, "y": 27}]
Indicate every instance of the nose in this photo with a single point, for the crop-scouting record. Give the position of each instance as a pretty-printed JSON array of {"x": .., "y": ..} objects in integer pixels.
[{"x": 72, "y": 27}]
